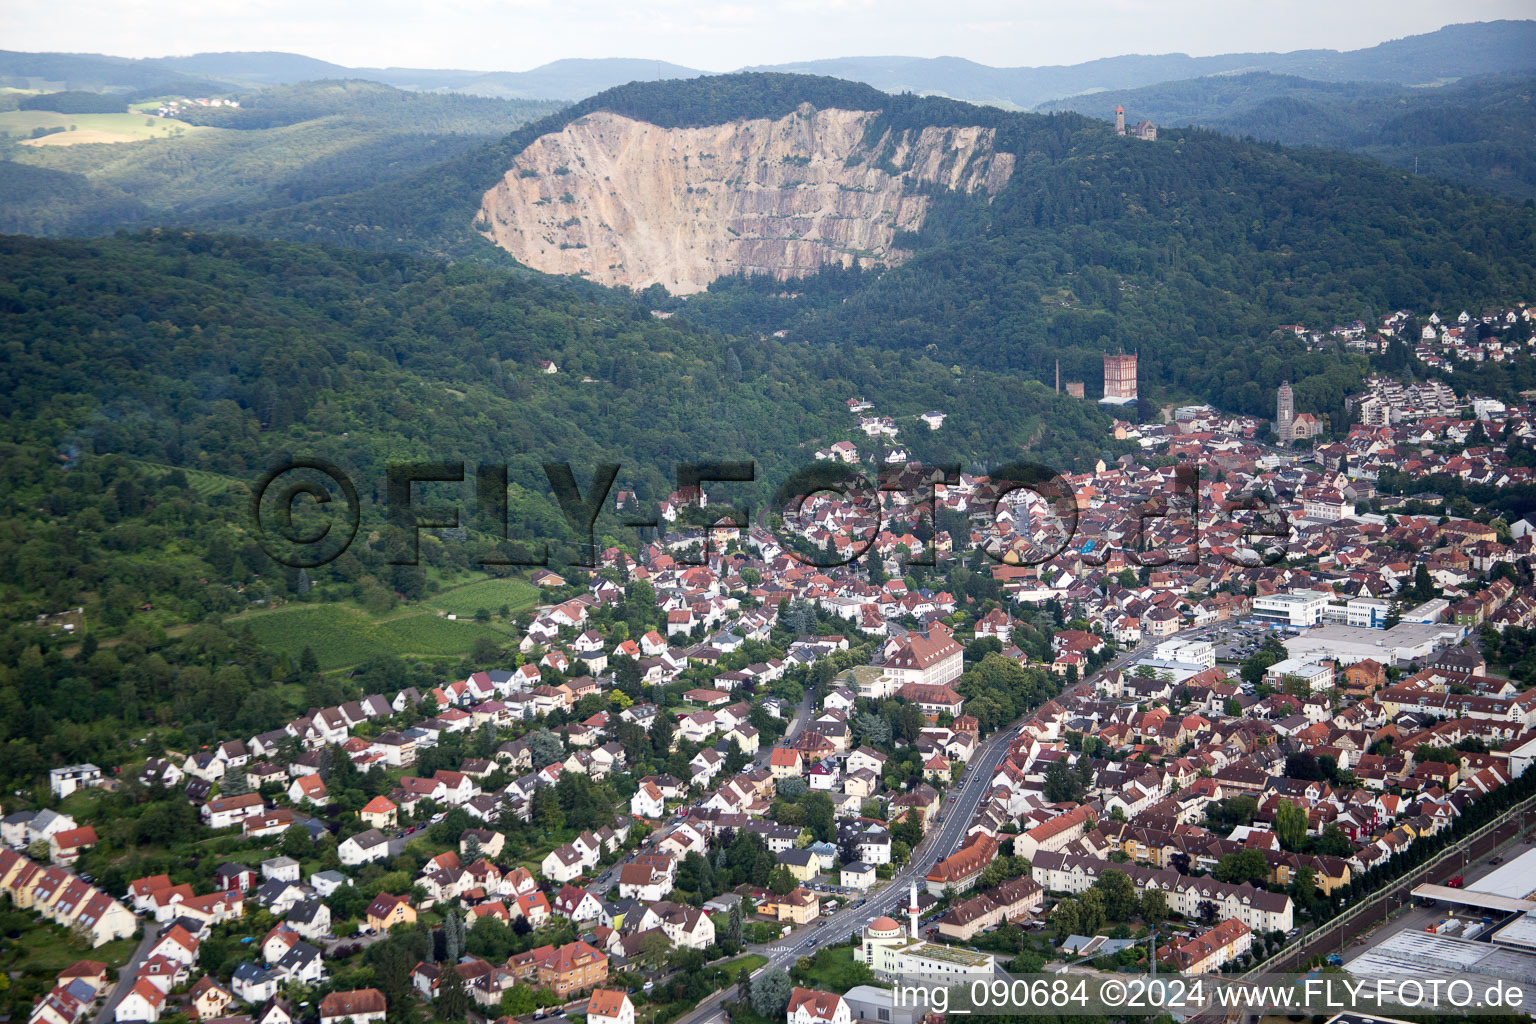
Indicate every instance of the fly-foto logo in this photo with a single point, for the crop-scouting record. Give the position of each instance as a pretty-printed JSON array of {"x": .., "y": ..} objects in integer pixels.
[{"x": 307, "y": 512}]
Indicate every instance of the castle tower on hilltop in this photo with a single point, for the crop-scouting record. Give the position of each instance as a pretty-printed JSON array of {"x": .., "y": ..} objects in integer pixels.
[
  {"x": 1285, "y": 411},
  {"x": 1119, "y": 378},
  {"x": 1143, "y": 129}
]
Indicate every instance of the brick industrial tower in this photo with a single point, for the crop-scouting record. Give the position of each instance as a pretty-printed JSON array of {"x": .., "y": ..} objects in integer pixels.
[{"x": 1119, "y": 379}]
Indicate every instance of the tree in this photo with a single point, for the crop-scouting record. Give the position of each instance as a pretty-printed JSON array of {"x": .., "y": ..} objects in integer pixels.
[
  {"x": 545, "y": 747},
  {"x": 518, "y": 1000},
  {"x": 733, "y": 928},
  {"x": 770, "y": 993},
  {"x": 654, "y": 946},
  {"x": 1424, "y": 588},
  {"x": 1091, "y": 909},
  {"x": 871, "y": 728},
  {"x": 780, "y": 881},
  {"x": 453, "y": 937},
  {"x": 296, "y": 842},
  {"x": 1062, "y": 784},
  {"x": 452, "y": 996},
  {"x": 1154, "y": 907},
  {"x": 791, "y": 787},
  {"x": 1119, "y": 894},
  {"x": 1290, "y": 825},
  {"x": 1243, "y": 866},
  {"x": 1066, "y": 916},
  {"x": 819, "y": 816}
]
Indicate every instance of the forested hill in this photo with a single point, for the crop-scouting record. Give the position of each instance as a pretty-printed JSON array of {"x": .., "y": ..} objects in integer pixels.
[
  {"x": 1191, "y": 249},
  {"x": 224, "y": 355},
  {"x": 433, "y": 211},
  {"x": 1479, "y": 131},
  {"x": 283, "y": 145}
]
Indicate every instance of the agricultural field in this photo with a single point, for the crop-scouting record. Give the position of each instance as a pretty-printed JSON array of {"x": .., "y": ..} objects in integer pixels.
[
  {"x": 489, "y": 594},
  {"x": 87, "y": 128},
  {"x": 342, "y": 635},
  {"x": 204, "y": 484}
]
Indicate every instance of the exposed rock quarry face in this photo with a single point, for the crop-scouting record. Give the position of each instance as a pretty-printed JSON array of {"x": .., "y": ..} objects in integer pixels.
[{"x": 624, "y": 202}]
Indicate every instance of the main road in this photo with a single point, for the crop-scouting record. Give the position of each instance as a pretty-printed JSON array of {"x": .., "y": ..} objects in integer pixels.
[
  {"x": 958, "y": 810},
  {"x": 939, "y": 842}
]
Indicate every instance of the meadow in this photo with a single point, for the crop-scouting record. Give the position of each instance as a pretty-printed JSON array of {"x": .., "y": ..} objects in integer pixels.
[
  {"x": 88, "y": 128},
  {"x": 490, "y": 594},
  {"x": 343, "y": 635}
]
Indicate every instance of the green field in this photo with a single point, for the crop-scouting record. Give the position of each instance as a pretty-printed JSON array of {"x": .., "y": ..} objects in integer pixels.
[
  {"x": 94, "y": 127},
  {"x": 41, "y": 950},
  {"x": 342, "y": 635},
  {"x": 489, "y": 594},
  {"x": 752, "y": 961}
]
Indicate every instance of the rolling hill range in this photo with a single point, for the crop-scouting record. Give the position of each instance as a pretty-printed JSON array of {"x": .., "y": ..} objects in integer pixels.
[
  {"x": 285, "y": 144},
  {"x": 985, "y": 238},
  {"x": 1192, "y": 248},
  {"x": 1479, "y": 131},
  {"x": 1449, "y": 53}
]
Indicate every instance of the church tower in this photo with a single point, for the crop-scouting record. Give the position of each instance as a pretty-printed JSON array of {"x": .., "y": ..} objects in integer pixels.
[{"x": 1119, "y": 119}]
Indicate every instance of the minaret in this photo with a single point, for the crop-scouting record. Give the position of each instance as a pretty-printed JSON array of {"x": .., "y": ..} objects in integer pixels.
[
  {"x": 1119, "y": 120},
  {"x": 912, "y": 911}
]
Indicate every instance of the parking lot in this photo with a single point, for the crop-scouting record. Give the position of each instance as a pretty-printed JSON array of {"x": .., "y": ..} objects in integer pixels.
[{"x": 1238, "y": 643}]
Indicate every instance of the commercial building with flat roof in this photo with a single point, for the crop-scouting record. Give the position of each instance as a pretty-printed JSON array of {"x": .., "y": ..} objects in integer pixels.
[
  {"x": 1427, "y": 956},
  {"x": 1346, "y": 645},
  {"x": 1516, "y": 879},
  {"x": 1297, "y": 608}
]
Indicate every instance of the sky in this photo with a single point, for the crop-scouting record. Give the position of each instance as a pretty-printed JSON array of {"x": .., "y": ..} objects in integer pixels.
[{"x": 515, "y": 35}]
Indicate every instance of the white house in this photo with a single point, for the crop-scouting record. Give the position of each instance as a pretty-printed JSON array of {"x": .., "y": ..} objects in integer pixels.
[
  {"x": 144, "y": 1002},
  {"x": 64, "y": 781},
  {"x": 363, "y": 848},
  {"x": 812, "y": 1006},
  {"x": 610, "y": 1006}
]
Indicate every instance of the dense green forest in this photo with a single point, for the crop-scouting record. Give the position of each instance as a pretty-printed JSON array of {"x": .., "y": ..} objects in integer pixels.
[
  {"x": 147, "y": 381},
  {"x": 74, "y": 102},
  {"x": 1480, "y": 131},
  {"x": 282, "y": 146}
]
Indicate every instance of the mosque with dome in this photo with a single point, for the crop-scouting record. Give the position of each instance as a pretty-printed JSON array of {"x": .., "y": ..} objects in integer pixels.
[{"x": 892, "y": 950}]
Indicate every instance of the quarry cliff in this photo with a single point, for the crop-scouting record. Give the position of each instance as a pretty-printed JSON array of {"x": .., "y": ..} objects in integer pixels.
[{"x": 624, "y": 202}]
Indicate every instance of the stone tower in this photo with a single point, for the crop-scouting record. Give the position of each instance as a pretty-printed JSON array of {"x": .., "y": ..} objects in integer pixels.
[
  {"x": 1285, "y": 411},
  {"x": 1119, "y": 119}
]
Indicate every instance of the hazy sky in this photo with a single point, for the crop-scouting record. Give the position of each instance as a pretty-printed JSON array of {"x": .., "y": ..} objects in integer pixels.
[{"x": 514, "y": 35}]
